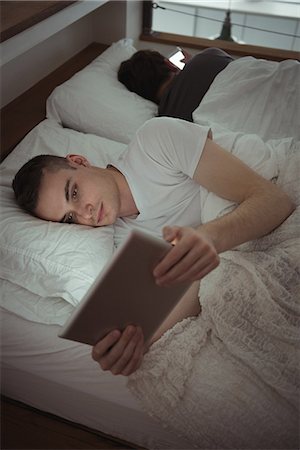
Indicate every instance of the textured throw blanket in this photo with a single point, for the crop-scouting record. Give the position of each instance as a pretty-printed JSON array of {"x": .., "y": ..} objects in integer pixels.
[{"x": 229, "y": 378}]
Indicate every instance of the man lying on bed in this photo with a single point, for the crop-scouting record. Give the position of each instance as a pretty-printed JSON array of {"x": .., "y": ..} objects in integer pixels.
[{"x": 159, "y": 180}]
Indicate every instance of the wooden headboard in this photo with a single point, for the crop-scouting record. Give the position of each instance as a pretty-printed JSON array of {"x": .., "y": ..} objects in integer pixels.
[
  {"x": 17, "y": 16},
  {"x": 26, "y": 111}
]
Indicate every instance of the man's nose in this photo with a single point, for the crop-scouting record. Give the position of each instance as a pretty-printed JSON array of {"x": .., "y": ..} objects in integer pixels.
[{"x": 85, "y": 211}]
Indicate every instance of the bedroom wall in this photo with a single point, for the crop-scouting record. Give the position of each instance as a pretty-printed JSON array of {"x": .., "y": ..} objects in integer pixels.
[
  {"x": 29, "y": 56},
  {"x": 32, "y": 55}
]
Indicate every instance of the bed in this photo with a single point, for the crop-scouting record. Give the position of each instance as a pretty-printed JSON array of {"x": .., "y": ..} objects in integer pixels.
[{"x": 226, "y": 379}]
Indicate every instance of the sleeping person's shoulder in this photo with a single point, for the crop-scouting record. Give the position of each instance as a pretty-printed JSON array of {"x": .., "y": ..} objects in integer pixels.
[{"x": 213, "y": 53}]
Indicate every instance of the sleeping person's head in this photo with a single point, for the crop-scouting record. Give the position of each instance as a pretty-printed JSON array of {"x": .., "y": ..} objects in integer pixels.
[
  {"x": 145, "y": 72},
  {"x": 68, "y": 190}
]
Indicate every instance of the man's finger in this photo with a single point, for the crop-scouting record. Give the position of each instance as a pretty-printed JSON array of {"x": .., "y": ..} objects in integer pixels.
[{"x": 105, "y": 344}]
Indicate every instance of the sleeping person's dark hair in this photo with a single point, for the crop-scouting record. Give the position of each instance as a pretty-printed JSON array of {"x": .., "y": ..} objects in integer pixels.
[
  {"x": 144, "y": 73},
  {"x": 27, "y": 181}
]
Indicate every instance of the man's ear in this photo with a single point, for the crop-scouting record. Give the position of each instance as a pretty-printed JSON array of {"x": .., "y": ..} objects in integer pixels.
[{"x": 77, "y": 160}]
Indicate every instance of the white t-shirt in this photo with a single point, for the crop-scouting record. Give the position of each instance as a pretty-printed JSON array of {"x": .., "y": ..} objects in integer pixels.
[{"x": 159, "y": 165}]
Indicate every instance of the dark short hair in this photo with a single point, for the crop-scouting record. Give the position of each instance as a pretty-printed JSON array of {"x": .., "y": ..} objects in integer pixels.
[
  {"x": 27, "y": 181},
  {"x": 144, "y": 73}
]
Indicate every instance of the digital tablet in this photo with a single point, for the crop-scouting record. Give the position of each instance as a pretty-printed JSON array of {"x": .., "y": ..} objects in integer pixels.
[
  {"x": 176, "y": 58},
  {"x": 125, "y": 293}
]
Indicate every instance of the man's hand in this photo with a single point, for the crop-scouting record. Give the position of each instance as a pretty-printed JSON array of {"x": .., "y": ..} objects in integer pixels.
[
  {"x": 187, "y": 56},
  {"x": 192, "y": 257},
  {"x": 120, "y": 352}
]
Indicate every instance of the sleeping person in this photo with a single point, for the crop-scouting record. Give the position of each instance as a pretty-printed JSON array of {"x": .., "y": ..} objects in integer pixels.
[
  {"x": 176, "y": 92},
  {"x": 158, "y": 185}
]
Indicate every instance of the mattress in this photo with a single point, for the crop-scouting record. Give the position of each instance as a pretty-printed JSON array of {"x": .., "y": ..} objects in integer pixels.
[{"x": 60, "y": 377}]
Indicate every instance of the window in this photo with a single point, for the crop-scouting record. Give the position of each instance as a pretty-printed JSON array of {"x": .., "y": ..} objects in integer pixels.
[{"x": 274, "y": 24}]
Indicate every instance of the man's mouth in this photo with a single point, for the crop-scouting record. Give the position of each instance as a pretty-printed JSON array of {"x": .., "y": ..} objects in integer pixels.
[{"x": 100, "y": 214}]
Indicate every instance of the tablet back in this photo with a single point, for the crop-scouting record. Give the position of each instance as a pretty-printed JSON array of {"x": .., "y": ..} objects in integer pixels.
[{"x": 125, "y": 293}]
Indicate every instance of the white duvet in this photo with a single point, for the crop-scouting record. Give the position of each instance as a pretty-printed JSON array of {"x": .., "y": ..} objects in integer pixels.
[
  {"x": 255, "y": 96},
  {"x": 229, "y": 379}
]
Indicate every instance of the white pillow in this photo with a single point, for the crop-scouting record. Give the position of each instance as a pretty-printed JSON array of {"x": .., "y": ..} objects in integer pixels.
[
  {"x": 52, "y": 259},
  {"x": 29, "y": 306},
  {"x": 94, "y": 101}
]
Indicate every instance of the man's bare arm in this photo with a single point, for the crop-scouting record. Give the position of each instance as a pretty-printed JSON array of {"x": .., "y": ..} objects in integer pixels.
[{"x": 261, "y": 207}]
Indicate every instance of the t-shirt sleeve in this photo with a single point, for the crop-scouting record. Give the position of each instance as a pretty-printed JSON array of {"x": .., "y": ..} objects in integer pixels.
[{"x": 174, "y": 143}]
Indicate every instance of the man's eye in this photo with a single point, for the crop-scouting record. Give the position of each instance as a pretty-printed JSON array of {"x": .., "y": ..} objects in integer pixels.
[
  {"x": 74, "y": 193},
  {"x": 69, "y": 218}
]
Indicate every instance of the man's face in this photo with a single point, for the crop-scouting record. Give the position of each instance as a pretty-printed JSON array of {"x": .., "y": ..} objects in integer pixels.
[{"x": 87, "y": 195}]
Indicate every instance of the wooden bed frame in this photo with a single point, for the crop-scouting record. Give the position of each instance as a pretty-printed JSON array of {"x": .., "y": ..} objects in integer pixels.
[{"x": 25, "y": 427}]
